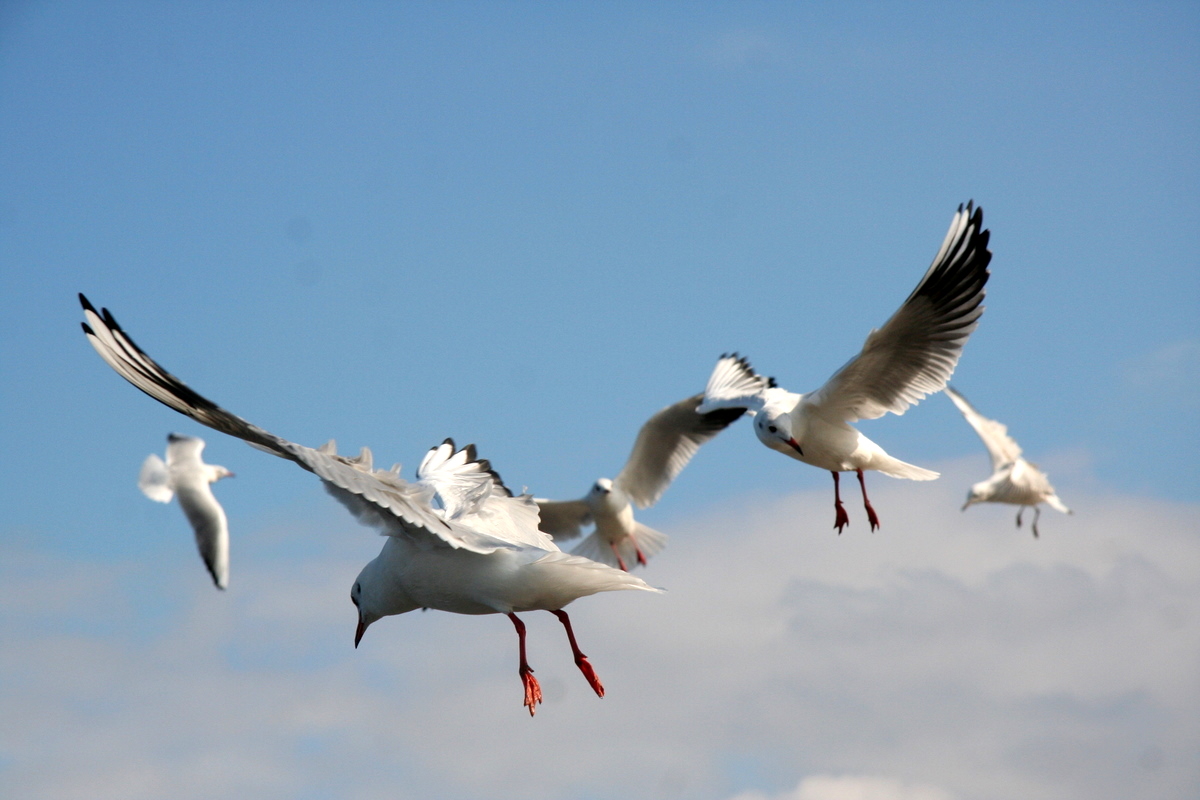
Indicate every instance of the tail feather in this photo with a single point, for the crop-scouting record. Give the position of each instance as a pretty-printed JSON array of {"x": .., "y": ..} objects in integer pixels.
[
  {"x": 595, "y": 547},
  {"x": 1057, "y": 504},
  {"x": 900, "y": 469}
]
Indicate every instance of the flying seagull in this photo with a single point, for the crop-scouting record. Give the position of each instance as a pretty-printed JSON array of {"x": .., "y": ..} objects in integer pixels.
[
  {"x": 1014, "y": 480},
  {"x": 911, "y": 356},
  {"x": 457, "y": 540},
  {"x": 185, "y": 475},
  {"x": 664, "y": 446}
]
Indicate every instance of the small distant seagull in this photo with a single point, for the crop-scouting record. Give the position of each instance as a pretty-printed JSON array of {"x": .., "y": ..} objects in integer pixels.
[
  {"x": 457, "y": 540},
  {"x": 186, "y": 475},
  {"x": 1014, "y": 480},
  {"x": 663, "y": 448},
  {"x": 911, "y": 356}
]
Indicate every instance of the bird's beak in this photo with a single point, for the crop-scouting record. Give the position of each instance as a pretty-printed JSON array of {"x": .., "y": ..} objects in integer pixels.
[
  {"x": 795, "y": 446},
  {"x": 359, "y": 631},
  {"x": 966, "y": 505}
]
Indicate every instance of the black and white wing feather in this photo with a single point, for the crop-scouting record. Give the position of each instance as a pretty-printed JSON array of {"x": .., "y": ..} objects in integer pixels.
[
  {"x": 666, "y": 443},
  {"x": 376, "y": 497},
  {"x": 734, "y": 384},
  {"x": 916, "y": 351}
]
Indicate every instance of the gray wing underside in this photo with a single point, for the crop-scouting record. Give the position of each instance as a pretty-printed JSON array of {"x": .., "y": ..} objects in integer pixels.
[
  {"x": 563, "y": 519},
  {"x": 211, "y": 529},
  {"x": 1000, "y": 446},
  {"x": 665, "y": 445},
  {"x": 915, "y": 352}
]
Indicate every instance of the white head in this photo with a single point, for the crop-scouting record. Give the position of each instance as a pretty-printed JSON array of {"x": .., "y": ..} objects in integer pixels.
[
  {"x": 377, "y": 595},
  {"x": 218, "y": 473},
  {"x": 774, "y": 429},
  {"x": 978, "y": 494}
]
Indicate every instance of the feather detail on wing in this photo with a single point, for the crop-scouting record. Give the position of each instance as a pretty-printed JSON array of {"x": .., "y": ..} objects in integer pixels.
[
  {"x": 379, "y": 498},
  {"x": 734, "y": 384},
  {"x": 666, "y": 443},
  {"x": 1002, "y": 447},
  {"x": 153, "y": 480},
  {"x": 917, "y": 349},
  {"x": 563, "y": 519},
  {"x": 211, "y": 528}
]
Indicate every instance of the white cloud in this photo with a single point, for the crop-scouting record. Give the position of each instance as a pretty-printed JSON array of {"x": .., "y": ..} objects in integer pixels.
[
  {"x": 853, "y": 787},
  {"x": 948, "y": 652}
]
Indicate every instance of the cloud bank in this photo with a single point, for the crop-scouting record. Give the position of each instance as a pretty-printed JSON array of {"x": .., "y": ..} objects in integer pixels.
[{"x": 948, "y": 655}]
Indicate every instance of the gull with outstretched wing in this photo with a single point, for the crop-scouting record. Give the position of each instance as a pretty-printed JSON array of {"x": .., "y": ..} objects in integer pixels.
[
  {"x": 185, "y": 476},
  {"x": 1014, "y": 480},
  {"x": 664, "y": 446},
  {"x": 911, "y": 356},
  {"x": 457, "y": 540}
]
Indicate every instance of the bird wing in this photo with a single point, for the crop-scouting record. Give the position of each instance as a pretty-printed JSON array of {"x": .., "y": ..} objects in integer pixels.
[
  {"x": 563, "y": 519},
  {"x": 1002, "y": 447},
  {"x": 184, "y": 450},
  {"x": 916, "y": 351},
  {"x": 376, "y": 497},
  {"x": 209, "y": 524},
  {"x": 153, "y": 480},
  {"x": 734, "y": 384},
  {"x": 666, "y": 443}
]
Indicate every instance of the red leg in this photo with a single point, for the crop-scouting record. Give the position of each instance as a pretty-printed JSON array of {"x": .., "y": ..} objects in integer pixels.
[
  {"x": 580, "y": 659},
  {"x": 871, "y": 516},
  {"x": 533, "y": 692},
  {"x": 617, "y": 553},
  {"x": 641, "y": 557},
  {"x": 840, "y": 518}
]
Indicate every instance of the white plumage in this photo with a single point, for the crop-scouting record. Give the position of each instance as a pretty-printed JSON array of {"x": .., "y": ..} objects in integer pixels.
[
  {"x": 457, "y": 540},
  {"x": 911, "y": 356},
  {"x": 186, "y": 476}
]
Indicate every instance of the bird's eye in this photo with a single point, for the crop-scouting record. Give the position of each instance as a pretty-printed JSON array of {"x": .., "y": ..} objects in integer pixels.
[{"x": 772, "y": 428}]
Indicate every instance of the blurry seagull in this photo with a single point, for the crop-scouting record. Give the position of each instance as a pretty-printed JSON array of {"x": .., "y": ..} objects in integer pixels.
[
  {"x": 184, "y": 474},
  {"x": 911, "y": 356},
  {"x": 457, "y": 540},
  {"x": 663, "y": 448},
  {"x": 1014, "y": 480}
]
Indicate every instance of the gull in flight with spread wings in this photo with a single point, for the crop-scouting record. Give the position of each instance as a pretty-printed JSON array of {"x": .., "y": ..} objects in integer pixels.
[
  {"x": 457, "y": 540},
  {"x": 911, "y": 356},
  {"x": 186, "y": 476},
  {"x": 1014, "y": 480},
  {"x": 664, "y": 446}
]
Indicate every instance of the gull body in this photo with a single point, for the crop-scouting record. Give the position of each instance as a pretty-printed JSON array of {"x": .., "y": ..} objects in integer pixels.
[
  {"x": 457, "y": 539},
  {"x": 185, "y": 475},
  {"x": 910, "y": 357},
  {"x": 664, "y": 446},
  {"x": 1014, "y": 480}
]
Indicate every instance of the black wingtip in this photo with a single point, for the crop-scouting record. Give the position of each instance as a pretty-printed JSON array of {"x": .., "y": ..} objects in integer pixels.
[{"x": 87, "y": 306}]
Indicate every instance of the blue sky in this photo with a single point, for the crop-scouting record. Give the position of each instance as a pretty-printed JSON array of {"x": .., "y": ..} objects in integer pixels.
[{"x": 531, "y": 227}]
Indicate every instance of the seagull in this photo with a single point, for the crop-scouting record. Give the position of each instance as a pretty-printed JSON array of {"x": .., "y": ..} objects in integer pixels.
[
  {"x": 1014, "y": 480},
  {"x": 457, "y": 540},
  {"x": 911, "y": 356},
  {"x": 663, "y": 448},
  {"x": 186, "y": 475}
]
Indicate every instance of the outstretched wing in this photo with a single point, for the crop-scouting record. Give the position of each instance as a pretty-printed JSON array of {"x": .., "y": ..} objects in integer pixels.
[
  {"x": 374, "y": 496},
  {"x": 734, "y": 384},
  {"x": 563, "y": 519},
  {"x": 1002, "y": 447},
  {"x": 666, "y": 443},
  {"x": 916, "y": 351}
]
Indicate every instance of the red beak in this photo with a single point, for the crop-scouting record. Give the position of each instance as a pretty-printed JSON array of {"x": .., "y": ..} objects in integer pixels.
[{"x": 795, "y": 446}]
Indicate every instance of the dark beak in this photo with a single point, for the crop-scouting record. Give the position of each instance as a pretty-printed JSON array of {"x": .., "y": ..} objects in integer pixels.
[
  {"x": 795, "y": 446},
  {"x": 359, "y": 631}
]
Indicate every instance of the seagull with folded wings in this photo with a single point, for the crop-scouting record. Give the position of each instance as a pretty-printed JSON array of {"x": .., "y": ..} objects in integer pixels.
[{"x": 457, "y": 540}]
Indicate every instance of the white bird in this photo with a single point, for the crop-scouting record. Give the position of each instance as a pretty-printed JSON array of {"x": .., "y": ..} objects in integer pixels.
[
  {"x": 911, "y": 356},
  {"x": 184, "y": 474},
  {"x": 457, "y": 540},
  {"x": 664, "y": 446},
  {"x": 1014, "y": 480}
]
